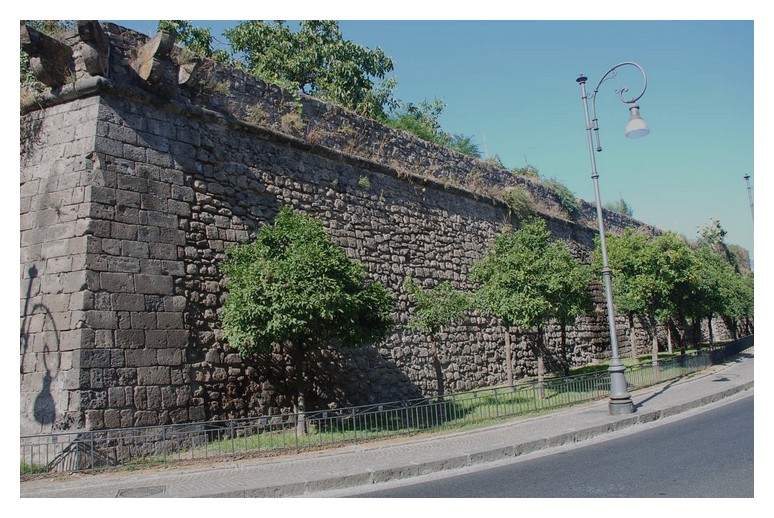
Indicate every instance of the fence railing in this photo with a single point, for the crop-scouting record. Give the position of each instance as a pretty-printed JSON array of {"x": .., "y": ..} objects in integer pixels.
[{"x": 99, "y": 449}]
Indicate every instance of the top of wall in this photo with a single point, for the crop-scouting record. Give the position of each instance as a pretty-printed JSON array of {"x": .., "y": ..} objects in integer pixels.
[{"x": 107, "y": 59}]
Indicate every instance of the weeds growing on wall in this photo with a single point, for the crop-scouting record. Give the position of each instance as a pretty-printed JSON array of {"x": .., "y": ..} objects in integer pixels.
[
  {"x": 519, "y": 201},
  {"x": 567, "y": 199}
]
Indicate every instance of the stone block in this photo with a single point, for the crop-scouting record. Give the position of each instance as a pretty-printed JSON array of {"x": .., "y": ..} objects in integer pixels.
[
  {"x": 155, "y": 339},
  {"x": 175, "y": 303},
  {"x": 159, "y": 219},
  {"x": 148, "y": 234},
  {"x": 183, "y": 193},
  {"x": 145, "y": 418},
  {"x": 128, "y": 198},
  {"x": 112, "y": 419},
  {"x": 117, "y": 282},
  {"x": 154, "y": 202},
  {"x": 158, "y": 375},
  {"x": 140, "y": 357},
  {"x": 143, "y": 320},
  {"x": 170, "y": 320},
  {"x": 95, "y": 419},
  {"x": 123, "y": 264},
  {"x": 134, "y": 153},
  {"x": 128, "y": 215},
  {"x": 197, "y": 413},
  {"x": 179, "y": 415},
  {"x": 92, "y": 358},
  {"x": 154, "y": 397},
  {"x": 123, "y": 231},
  {"x": 80, "y": 281},
  {"x": 130, "y": 338},
  {"x": 99, "y": 194},
  {"x": 127, "y": 302},
  {"x": 177, "y": 339},
  {"x": 170, "y": 357},
  {"x": 163, "y": 251},
  {"x": 136, "y": 249},
  {"x": 168, "y": 399},
  {"x": 126, "y": 376},
  {"x": 132, "y": 183},
  {"x": 153, "y": 284}
]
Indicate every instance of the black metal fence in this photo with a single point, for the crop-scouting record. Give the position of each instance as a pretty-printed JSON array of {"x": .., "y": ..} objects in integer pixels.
[{"x": 99, "y": 449}]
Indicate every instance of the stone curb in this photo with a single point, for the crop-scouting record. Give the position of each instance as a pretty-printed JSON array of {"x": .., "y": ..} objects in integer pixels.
[{"x": 371, "y": 477}]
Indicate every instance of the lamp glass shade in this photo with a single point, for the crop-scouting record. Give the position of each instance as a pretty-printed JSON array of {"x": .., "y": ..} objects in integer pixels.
[{"x": 636, "y": 127}]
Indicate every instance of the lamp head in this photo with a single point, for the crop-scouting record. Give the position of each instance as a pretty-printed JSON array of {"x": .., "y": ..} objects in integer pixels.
[{"x": 636, "y": 127}]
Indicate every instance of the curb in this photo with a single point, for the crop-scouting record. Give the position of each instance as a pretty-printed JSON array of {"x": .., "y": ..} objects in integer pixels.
[{"x": 371, "y": 477}]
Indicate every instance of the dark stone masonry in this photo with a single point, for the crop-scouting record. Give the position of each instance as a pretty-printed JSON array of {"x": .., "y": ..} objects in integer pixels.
[{"x": 141, "y": 165}]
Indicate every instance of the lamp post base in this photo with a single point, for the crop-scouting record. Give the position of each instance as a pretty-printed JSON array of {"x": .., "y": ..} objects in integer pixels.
[
  {"x": 620, "y": 400},
  {"x": 621, "y": 406}
]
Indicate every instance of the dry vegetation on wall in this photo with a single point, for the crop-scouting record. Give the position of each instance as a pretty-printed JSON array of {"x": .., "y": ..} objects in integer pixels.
[{"x": 160, "y": 170}]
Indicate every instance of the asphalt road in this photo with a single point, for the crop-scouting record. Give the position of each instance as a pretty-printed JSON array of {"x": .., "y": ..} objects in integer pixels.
[{"x": 709, "y": 454}]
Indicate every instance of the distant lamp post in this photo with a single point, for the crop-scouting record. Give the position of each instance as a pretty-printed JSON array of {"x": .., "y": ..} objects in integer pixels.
[
  {"x": 620, "y": 400},
  {"x": 749, "y": 195}
]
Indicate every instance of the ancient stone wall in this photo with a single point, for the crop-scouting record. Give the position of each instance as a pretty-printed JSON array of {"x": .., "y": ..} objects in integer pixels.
[{"x": 134, "y": 183}]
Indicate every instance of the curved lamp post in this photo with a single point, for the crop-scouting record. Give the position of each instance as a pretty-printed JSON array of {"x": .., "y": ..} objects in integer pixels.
[{"x": 620, "y": 400}]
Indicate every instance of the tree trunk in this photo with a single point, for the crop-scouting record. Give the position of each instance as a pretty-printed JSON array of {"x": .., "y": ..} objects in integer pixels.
[
  {"x": 697, "y": 335},
  {"x": 709, "y": 326},
  {"x": 632, "y": 341},
  {"x": 508, "y": 359},
  {"x": 437, "y": 365},
  {"x": 565, "y": 359},
  {"x": 654, "y": 339},
  {"x": 541, "y": 365},
  {"x": 300, "y": 406},
  {"x": 438, "y": 376},
  {"x": 669, "y": 337}
]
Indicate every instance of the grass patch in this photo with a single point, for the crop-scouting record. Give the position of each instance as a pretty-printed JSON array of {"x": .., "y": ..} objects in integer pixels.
[{"x": 32, "y": 469}]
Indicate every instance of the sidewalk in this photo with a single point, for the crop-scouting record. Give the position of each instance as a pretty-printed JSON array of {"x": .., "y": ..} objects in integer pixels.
[{"x": 308, "y": 473}]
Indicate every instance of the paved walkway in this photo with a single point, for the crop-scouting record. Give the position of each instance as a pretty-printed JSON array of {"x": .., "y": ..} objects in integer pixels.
[{"x": 309, "y": 473}]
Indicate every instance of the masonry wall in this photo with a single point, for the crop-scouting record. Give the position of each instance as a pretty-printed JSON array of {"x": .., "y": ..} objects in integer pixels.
[{"x": 132, "y": 192}]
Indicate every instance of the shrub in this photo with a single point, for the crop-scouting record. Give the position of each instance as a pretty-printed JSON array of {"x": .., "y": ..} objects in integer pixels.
[
  {"x": 519, "y": 201},
  {"x": 567, "y": 199}
]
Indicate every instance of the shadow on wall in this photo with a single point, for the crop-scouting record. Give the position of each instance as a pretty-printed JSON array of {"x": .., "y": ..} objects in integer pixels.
[
  {"x": 44, "y": 408},
  {"x": 221, "y": 203}
]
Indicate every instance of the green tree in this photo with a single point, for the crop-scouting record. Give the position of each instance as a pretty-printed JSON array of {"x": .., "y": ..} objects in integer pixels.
[
  {"x": 648, "y": 275},
  {"x": 434, "y": 309},
  {"x": 523, "y": 280},
  {"x": 709, "y": 289},
  {"x": 421, "y": 120},
  {"x": 316, "y": 59},
  {"x": 569, "y": 293},
  {"x": 620, "y": 206},
  {"x": 527, "y": 171},
  {"x": 678, "y": 264},
  {"x": 737, "y": 291},
  {"x": 294, "y": 288},
  {"x": 463, "y": 144},
  {"x": 196, "y": 39}
]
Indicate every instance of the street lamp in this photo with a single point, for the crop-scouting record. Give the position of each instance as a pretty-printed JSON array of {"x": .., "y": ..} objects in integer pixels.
[
  {"x": 749, "y": 195},
  {"x": 620, "y": 400}
]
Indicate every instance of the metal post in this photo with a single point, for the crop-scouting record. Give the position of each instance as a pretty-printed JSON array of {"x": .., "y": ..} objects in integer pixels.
[
  {"x": 620, "y": 399},
  {"x": 749, "y": 195}
]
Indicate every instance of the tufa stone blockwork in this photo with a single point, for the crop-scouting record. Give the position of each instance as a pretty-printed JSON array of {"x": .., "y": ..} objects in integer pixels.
[{"x": 132, "y": 187}]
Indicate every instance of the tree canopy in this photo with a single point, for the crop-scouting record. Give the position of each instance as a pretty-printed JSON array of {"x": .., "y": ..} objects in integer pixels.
[
  {"x": 527, "y": 280},
  {"x": 294, "y": 288},
  {"x": 437, "y": 307},
  {"x": 293, "y": 284},
  {"x": 316, "y": 59}
]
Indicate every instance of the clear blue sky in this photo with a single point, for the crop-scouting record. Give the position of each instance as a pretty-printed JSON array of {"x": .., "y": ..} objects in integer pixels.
[{"x": 511, "y": 84}]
